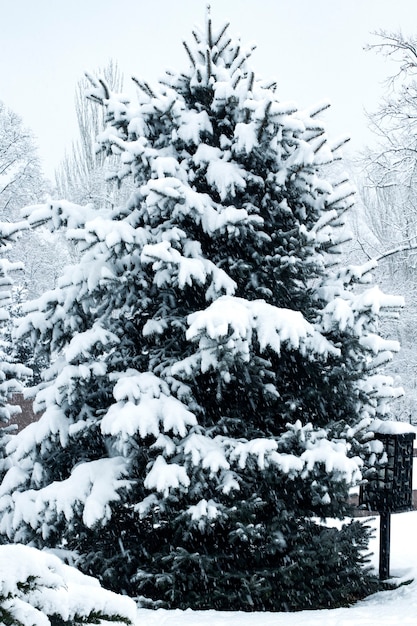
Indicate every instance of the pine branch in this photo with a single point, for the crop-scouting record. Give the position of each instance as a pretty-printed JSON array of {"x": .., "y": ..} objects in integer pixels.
[
  {"x": 188, "y": 51},
  {"x": 222, "y": 32},
  {"x": 208, "y": 64},
  {"x": 236, "y": 80},
  {"x": 209, "y": 31},
  {"x": 320, "y": 145},
  {"x": 347, "y": 195},
  {"x": 251, "y": 80},
  {"x": 196, "y": 36},
  {"x": 236, "y": 54},
  {"x": 340, "y": 182},
  {"x": 271, "y": 85},
  {"x": 218, "y": 54},
  {"x": 239, "y": 60},
  {"x": 264, "y": 121},
  {"x": 105, "y": 88},
  {"x": 339, "y": 143},
  {"x": 144, "y": 87},
  {"x": 323, "y": 106}
]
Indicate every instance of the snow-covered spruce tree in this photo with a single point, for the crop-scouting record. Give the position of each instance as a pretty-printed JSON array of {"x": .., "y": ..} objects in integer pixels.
[{"x": 212, "y": 368}]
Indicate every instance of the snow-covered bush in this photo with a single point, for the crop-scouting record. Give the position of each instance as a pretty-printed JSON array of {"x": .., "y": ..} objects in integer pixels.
[
  {"x": 37, "y": 589},
  {"x": 212, "y": 367}
]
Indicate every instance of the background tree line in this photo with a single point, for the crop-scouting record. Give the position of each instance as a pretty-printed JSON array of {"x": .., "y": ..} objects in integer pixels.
[{"x": 385, "y": 218}]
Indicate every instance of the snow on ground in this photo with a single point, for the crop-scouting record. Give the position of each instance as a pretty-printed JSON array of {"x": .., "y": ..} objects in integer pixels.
[{"x": 386, "y": 608}]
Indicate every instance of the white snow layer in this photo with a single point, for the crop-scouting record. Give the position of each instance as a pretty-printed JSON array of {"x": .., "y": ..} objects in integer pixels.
[
  {"x": 387, "y": 427},
  {"x": 235, "y": 319},
  {"x": 144, "y": 404},
  {"x": 93, "y": 485},
  {"x": 40, "y": 584}
]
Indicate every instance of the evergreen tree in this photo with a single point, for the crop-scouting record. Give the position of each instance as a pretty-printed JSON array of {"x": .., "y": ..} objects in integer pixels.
[{"x": 213, "y": 370}]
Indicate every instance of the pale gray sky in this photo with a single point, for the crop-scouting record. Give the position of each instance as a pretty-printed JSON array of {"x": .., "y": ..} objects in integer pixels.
[{"x": 314, "y": 48}]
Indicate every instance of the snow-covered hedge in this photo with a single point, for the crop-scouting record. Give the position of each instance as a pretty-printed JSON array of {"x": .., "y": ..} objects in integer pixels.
[{"x": 38, "y": 589}]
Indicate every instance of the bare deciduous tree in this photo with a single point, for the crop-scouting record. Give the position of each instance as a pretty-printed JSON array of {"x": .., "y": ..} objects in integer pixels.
[
  {"x": 387, "y": 229},
  {"x": 20, "y": 170},
  {"x": 87, "y": 175}
]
